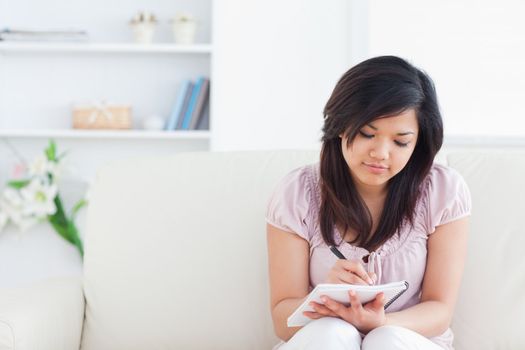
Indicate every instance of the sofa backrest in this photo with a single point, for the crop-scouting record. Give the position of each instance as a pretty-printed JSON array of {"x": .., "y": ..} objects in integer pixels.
[
  {"x": 175, "y": 253},
  {"x": 491, "y": 303}
]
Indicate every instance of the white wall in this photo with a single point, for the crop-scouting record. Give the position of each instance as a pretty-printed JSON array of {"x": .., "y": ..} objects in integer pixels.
[
  {"x": 474, "y": 50},
  {"x": 279, "y": 63}
]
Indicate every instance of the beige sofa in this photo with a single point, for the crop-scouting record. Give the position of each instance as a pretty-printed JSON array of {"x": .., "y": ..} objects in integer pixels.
[{"x": 176, "y": 258}]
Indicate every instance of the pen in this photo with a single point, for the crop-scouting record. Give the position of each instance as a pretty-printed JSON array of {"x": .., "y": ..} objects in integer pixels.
[
  {"x": 337, "y": 252},
  {"x": 340, "y": 255}
]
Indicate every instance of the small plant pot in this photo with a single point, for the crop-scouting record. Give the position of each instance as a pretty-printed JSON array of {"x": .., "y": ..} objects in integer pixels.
[
  {"x": 184, "y": 31},
  {"x": 143, "y": 33}
]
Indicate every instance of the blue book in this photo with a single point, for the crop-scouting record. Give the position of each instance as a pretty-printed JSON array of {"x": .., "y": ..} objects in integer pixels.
[
  {"x": 177, "y": 109},
  {"x": 204, "y": 122},
  {"x": 202, "y": 100},
  {"x": 191, "y": 105},
  {"x": 182, "y": 113}
]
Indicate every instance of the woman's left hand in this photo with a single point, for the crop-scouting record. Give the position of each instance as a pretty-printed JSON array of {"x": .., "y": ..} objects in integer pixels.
[{"x": 363, "y": 317}]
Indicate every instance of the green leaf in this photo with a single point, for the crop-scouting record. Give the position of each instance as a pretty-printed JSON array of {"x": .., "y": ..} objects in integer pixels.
[
  {"x": 77, "y": 242},
  {"x": 18, "y": 184},
  {"x": 59, "y": 217},
  {"x": 80, "y": 204},
  {"x": 51, "y": 150},
  {"x": 65, "y": 227},
  {"x": 69, "y": 232},
  {"x": 61, "y": 228}
]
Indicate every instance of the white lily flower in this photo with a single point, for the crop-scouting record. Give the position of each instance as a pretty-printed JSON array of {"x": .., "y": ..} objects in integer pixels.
[
  {"x": 12, "y": 206},
  {"x": 39, "y": 198},
  {"x": 25, "y": 222},
  {"x": 12, "y": 196},
  {"x": 41, "y": 166}
]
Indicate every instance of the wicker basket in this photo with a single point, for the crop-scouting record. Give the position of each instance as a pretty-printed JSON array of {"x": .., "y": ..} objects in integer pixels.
[{"x": 102, "y": 117}]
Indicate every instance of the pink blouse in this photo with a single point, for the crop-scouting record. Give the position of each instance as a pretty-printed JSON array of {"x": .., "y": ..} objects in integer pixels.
[{"x": 444, "y": 197}]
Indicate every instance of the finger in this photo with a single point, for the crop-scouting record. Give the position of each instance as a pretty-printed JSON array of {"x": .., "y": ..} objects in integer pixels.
[
  {"x": 321, "y": 309},
  {"x": 351, "y": 278},
  {"x": 313, "y": 315},
  {"x": 333, "y": 306},
  {"x": 355, "y": 304},
  {"x": 358, "y": 269},
  {"x": 379, "y": 302}
]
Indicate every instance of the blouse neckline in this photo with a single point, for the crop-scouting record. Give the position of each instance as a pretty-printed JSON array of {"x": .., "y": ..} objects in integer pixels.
[{"x": 391, "y": 246}]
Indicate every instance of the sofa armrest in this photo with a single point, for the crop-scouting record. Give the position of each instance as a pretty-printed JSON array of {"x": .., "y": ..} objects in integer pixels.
[{"x": 47, "y": 315}]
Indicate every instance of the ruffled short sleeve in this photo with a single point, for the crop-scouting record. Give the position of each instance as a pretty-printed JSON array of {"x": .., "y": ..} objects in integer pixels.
[
  {"x": 447, "y": 197},
  {"x": 289, "y": 206}
]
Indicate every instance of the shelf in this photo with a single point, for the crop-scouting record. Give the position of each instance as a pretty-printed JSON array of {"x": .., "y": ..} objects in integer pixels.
[
  {"x": 6, "y": 47},
  {"x": 106, "y": 134},
  {"x": 484, "y": 141}
]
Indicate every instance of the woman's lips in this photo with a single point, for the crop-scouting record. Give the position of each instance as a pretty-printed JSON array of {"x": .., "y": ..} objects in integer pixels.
[{"x": 375, "y": 169}]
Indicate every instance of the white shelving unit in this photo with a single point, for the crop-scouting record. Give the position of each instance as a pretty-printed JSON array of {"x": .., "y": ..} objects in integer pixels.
[
  {"x": 12, "y": 125},
  {"x": 105, "y": 134},
  {"x": 41, "y": 81},
  {"x": 89, "y": 47}
]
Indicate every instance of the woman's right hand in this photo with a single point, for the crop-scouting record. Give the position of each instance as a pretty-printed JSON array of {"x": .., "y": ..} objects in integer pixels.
[{"x": 351, "y": 272}]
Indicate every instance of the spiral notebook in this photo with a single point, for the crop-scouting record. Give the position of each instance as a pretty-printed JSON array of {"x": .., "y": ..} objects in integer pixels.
[{"x": 339, "y": 292}]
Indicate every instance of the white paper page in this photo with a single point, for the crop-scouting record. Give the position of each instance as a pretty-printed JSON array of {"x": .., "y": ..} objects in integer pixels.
[{"x": 339, "y": 292}]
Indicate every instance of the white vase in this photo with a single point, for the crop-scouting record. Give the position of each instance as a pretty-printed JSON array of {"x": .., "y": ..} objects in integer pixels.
[
  {"x": 143, "y": 32},
  {"x": 153, "y": 123},
  {"x": 184, "y": 32}
]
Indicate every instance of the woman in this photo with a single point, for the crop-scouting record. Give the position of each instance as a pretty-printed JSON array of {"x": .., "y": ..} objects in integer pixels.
[{"x": 377, "y": 196}]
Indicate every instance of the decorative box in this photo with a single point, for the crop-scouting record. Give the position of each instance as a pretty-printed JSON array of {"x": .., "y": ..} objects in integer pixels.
[{"x": 102, "y": 116}]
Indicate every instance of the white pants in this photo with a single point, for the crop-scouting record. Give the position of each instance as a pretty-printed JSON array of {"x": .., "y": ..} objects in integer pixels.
[{"x": 333, "y": 334}]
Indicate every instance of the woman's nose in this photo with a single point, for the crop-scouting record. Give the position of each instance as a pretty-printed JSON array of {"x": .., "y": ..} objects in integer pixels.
[{"x": 379, "y": 151}]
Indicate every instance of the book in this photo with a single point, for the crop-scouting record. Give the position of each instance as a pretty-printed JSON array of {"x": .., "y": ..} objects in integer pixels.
[
  {"x": 204, "y": 122},
  {"x": 339, "y": 292},
  {"x": 177, "y": 108},
  {"x": 202, "y": 99},
  {"x": 192, "y": 103},
  {"x": 187, "y": 97},
  {"x": 43, "y": 35}
]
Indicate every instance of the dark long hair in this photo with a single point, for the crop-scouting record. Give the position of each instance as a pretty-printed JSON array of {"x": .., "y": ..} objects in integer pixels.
[{"x": 378, "y": 87}]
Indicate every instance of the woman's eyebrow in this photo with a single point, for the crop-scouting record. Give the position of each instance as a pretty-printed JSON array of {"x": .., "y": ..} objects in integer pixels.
[{"x": 399, "y": 133}]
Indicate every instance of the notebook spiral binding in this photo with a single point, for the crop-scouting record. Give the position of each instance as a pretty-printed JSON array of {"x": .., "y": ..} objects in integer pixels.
[{"x": 394, "y": 298}]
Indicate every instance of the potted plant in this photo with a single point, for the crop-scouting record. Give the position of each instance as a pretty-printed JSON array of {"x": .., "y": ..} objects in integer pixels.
[
  {"x": 143, "y": 25},
  {"x": 184, "y": 28}
]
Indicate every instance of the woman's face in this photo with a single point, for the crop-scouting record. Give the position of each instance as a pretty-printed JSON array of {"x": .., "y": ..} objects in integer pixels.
[{"x": 380, "y": 150}]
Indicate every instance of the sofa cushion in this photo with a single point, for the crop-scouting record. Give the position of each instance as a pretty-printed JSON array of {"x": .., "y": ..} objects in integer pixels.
[
  {"x": 175, "y": 253},
  {"x": 7, "y": 339},
  {"x": 47, "y": 314},
  {"x": 491, "y": 303}
]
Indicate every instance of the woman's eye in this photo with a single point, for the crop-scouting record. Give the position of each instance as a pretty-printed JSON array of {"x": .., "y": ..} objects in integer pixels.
[
  {"x": 366, "y": 135},
  {"x": 401, "y": 144}
]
